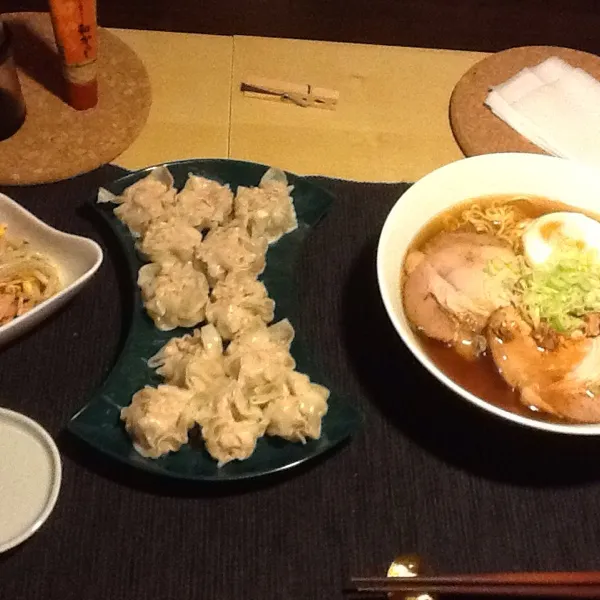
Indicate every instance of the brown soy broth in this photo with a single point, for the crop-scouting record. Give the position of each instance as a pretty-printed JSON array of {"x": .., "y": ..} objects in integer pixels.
[{"x": 480, "y": 376}]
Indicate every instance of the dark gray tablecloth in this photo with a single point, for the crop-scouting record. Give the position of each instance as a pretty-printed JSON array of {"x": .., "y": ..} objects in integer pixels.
[{"x": 427, "y": 473}]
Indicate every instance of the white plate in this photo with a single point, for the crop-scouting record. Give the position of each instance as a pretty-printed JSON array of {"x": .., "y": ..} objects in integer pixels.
[
  {"x": 76, "y": 257},
  {"x": 30, "y": 476}
]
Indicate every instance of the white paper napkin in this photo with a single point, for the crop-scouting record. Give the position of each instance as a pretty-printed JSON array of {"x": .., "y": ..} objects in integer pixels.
[{"x": 555, "y": 106}]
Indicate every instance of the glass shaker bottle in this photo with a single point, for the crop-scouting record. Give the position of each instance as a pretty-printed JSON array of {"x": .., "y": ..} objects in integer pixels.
[{"x": 12, "y": 104}]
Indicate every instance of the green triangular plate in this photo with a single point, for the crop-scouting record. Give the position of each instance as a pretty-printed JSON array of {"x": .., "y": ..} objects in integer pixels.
[{"x": 98, "y": 422}]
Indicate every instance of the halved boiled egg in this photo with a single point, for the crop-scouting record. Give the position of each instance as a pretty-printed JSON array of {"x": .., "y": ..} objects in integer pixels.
[{"x": 545, "y": 235}]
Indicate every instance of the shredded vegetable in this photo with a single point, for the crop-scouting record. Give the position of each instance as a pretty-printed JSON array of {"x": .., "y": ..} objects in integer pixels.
[
  {"x": 562, "y": 290},
  {"x": 26, "y": 277}
]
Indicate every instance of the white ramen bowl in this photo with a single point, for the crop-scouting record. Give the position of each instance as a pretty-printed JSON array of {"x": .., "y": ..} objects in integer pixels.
[
  {"x": 77, "y": 259},
  {"x": 508, "y": 173}
]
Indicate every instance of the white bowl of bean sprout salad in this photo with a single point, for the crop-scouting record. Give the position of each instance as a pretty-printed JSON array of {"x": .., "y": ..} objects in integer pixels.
[{"x": 41, "y": 268}]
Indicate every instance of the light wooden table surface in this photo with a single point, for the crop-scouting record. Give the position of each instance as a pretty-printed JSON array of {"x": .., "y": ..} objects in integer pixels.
[
  {"x": 190, "y": 77},
  {"x": 391, "y": 122}
]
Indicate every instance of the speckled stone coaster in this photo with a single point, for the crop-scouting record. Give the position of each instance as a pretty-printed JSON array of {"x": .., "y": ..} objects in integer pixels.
[
  {"x": 476, "y": 129},
  {"x": 57, "y": 142}
]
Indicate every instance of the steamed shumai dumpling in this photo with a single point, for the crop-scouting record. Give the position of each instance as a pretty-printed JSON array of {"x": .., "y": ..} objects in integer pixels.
[
  {"x": 174, "y": 294},
  {"x": 261, "y": 355},
  {"x": 203, "y": 203},
  {"x": 158, "y": 419},
  {"x": 169, "y": 238},
  {"x": 230, "y": 249},
  {"x": 170, "y": 361},
  {"x": 231, "y": 425},
  {"x": 194, "y": 361},
  {"x": 265, "y": 212},
  {"x": 146, "y": 200},
  {"x": 205, "y": 368},
  {"x": 237, "y": 303},
  {"x": 296, "y": 414}
]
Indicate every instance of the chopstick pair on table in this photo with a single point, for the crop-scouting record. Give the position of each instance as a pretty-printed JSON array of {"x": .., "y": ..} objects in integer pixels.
[{"x": 583, "y": 584}]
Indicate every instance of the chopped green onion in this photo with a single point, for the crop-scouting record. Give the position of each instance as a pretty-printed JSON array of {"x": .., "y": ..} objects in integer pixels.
[{"x": 563, "y": 289}]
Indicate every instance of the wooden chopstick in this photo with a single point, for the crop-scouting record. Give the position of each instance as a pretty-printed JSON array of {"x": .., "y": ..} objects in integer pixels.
[
  {"x": 573, "y": 584},
  {"x": 544, "y": 591}
]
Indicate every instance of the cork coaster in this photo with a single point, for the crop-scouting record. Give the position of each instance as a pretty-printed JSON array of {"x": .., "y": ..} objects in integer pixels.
[
  {"x": 57, "y": 142},
  {"x": 476, "y": 129}
]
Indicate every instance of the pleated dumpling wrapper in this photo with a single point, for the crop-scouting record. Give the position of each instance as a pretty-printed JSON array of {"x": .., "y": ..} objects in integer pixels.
[
  {"x": 229, "y": 249},
  {"x": 147, "y": 200},
  {"x": 174, "y": 294},
  {"x": 194, "y": 361},
  {"x": 203, "y": 203},
  {"x": 267, "y": 210},
  {"x": 171, "y": 238},
  {"x": 260, "y": 356},
  {"x": 158, "y": 419},
  {"x": 231, "y": 425},
  {"x": 298, "y": 410},
  {"x": 238, "y": 303}
]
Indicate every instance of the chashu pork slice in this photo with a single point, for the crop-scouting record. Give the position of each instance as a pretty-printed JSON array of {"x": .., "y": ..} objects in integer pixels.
[
  {"x": 452, "y": 286},
  {"x": 560, "y": 381}
]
